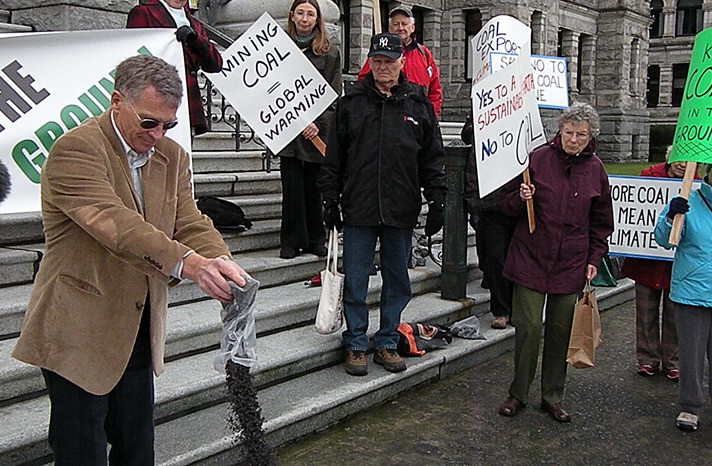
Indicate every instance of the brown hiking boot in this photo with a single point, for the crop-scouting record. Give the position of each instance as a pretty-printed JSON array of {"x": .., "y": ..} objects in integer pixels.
[
  {"x": 389, "y": 359},
  {"x": 356, "y": 363}
]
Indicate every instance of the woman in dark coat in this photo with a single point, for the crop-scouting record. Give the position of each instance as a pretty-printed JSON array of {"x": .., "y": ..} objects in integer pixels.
[
  {"x": 300, "y": 161},
  {"x": 574, "y": 218}
]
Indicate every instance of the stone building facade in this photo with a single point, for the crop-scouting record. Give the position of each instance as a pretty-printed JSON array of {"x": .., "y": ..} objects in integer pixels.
[
  {"x": 626, "y": 57},
  {"x": 674, "y": 25}
]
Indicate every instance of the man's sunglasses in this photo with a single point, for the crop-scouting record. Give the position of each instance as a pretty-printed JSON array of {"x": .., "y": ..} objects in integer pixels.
[{"x": 150, "y": 123}]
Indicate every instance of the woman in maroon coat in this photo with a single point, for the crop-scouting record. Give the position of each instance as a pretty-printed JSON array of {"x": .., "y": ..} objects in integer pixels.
[
  {"x": 574, "y": 217},
  {"x": 198, "y": 52}
]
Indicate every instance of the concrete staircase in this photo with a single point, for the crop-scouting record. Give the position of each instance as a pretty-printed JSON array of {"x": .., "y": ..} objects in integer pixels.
[{"x": 302, "y": 386}]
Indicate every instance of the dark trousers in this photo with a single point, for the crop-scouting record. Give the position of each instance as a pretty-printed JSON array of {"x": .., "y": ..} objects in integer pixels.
[
  {"x": 302, "y": 225},
  {"x": 527, "y": 318},
  {"x": 493, "y": 232},
  {"x": 81, "y": 424},
  {"x": 694, "y": 326}
]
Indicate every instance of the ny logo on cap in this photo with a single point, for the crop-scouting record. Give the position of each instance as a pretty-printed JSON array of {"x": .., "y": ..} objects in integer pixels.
[{"x": 383, "y": 42}]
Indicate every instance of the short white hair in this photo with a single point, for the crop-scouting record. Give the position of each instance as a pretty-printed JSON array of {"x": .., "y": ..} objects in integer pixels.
[{"x": 411, "y": 20}]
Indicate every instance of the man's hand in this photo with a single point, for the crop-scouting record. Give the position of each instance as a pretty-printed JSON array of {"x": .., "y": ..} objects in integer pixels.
[
  {"x": 436, "y": 217},
  {"x": 212, "y": 275},
  {"x": 332, "y": 216}
]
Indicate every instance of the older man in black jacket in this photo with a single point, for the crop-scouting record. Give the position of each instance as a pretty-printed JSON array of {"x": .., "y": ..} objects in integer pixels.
[{"x": 384, "y": 146}]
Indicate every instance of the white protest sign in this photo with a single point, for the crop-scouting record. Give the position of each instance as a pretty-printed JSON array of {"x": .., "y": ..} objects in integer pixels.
[
  {"x": 550, "y": 78},
  {"x": 272, "y": 84},
  {"x": 51, "y": 82},
  {"x": 503, "y": 34},
  {"x": 637, "y": 203},
  {"x": 506, "y": 123}
]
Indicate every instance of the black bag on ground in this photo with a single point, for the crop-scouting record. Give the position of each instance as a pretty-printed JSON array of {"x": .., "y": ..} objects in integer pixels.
[
  {"x": 226, "y": 216},
  {"x": 417, "y": 338}
]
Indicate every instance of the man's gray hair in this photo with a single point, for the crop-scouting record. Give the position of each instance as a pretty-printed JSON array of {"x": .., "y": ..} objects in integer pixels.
[
  {"x": 135, "y": 74},
  {"x": 581, "y": 112},
  {"x": 411, "y": 20}
]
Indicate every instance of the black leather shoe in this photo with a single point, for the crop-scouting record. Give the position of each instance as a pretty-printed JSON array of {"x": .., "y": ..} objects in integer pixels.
[
  {"x": 510, "y": 407},
  {"x": 288, "y": 253},
  {"x": 319, "y": 250},
  {"x": 556, "y": 411}
]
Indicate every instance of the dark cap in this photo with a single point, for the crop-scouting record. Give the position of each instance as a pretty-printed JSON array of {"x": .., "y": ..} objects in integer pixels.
[
  {"x": 386, "y": 44},
  {"x": 404, "y": 10}
]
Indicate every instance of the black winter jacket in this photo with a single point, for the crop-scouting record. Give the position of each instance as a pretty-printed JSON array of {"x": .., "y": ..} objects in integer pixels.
[{"x": 380, "y": 153}]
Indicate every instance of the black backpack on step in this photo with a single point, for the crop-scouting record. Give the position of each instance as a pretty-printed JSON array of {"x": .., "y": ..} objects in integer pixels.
[{"x": 226, "y": 216}]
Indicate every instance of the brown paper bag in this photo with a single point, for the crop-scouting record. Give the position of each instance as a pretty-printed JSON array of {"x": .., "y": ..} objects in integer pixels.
[{"x": 585, "y": 330}]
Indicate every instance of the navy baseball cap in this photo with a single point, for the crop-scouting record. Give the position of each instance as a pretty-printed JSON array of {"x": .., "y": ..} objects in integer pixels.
[{"x": 386, "y": 44}]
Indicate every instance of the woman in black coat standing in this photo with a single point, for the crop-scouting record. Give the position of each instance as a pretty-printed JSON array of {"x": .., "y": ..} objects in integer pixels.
[{"x": 300, "y": 160}]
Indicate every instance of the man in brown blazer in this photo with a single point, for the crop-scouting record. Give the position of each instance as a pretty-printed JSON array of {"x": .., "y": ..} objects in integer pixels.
[{"x": 120, "y": 226}]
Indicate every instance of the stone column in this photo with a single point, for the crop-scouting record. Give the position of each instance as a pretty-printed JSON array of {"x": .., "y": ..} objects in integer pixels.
[
  {"x": 668, "y": 17},
  {"x": 569, "y": 48},
  {"x": 706, "y": 14},
  {"x": 665, "y": 99},
  {"x": 361, "y": 31},
  {"x": 69, "y": 15}
]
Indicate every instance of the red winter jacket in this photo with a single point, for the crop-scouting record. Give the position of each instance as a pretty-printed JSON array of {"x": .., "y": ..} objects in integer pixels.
[
  {"x": 574, "y": 218},
  {"x": 199, "y": 55},
  {"x": 419, "y": 68}
]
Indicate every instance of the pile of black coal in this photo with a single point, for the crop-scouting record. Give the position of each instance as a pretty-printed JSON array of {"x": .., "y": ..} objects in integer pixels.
[{"x": 246, "y": 415}]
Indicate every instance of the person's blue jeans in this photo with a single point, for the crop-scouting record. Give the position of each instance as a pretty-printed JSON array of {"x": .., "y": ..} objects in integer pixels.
[{"x": 359, "y": 251}]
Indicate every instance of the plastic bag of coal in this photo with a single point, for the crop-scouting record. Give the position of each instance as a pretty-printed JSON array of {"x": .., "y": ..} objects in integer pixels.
[{"x": 236, "y": 356}]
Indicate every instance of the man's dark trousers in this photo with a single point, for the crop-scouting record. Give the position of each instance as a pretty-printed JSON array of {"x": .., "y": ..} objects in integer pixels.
[{"x": 81, "y": 424}]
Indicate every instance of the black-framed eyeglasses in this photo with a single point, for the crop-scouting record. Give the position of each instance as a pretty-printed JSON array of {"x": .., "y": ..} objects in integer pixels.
[{"x": 150, "y": 123}]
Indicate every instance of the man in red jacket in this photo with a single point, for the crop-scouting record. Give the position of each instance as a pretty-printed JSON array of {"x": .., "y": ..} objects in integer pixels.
[
  {"x": 198, "y": 52},
  {"x": 419, "y": 67}
]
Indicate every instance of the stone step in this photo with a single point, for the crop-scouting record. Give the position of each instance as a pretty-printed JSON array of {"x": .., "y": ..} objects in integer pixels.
[
  {"x": 225, "y": 141},
  {"x": 195, "y": 327},
  {"x": 257, "y": 193},
  {"x": 313, "y": 401},
  {"x": 266, "y": 266},
  {"x": 21, "y": 228},
  {"x": 239, "y": 183},
  {"x": 9, "y": 28},
  {"x": 259, "y": 207},
  {"x": 191, "y": 382},
  {"x": 228, "y": 161},
  {"x": 19, "y": 263}
]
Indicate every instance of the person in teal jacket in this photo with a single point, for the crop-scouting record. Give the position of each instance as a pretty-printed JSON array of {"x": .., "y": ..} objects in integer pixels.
[{"x": 691, "y": 294}]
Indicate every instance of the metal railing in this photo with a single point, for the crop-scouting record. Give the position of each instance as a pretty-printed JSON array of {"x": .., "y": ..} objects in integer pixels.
[{"x": 219, "y": 110}]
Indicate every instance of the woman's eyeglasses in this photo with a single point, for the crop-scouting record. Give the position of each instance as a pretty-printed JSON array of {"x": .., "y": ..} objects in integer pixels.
[{"x": 150, "y": 123}]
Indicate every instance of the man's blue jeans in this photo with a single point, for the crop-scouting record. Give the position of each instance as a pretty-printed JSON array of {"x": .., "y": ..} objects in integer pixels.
[{"x": 359, "y": 251}]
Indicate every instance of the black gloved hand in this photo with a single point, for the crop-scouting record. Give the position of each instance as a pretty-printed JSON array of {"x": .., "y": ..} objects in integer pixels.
[
  {"x": 435, "y": 218},
  {"x": 678, "y": 205},
  {"x": 332, "y": 216},
  {"x": 186, "y": 35}
]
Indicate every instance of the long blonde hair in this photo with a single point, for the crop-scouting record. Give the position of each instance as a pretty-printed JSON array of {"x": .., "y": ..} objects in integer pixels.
[{"x": 320, "y": 43}]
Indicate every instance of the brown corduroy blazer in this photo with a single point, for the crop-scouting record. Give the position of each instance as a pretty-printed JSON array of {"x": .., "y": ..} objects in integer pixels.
[{"x": 103, "y": 258}]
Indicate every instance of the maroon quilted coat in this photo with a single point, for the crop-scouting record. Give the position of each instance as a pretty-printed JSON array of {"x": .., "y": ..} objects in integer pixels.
[
  {"x": 574, "y": 218},
  {"x": 199, "y": 55}
]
